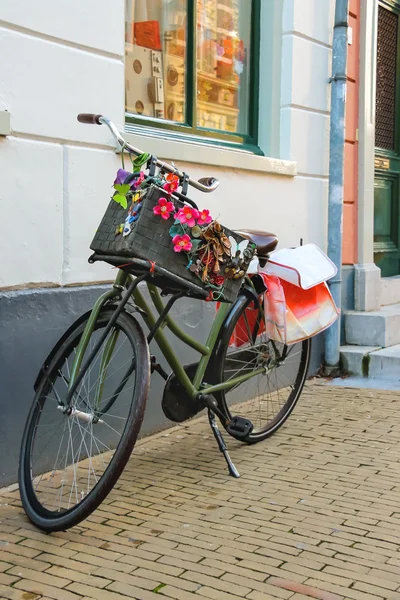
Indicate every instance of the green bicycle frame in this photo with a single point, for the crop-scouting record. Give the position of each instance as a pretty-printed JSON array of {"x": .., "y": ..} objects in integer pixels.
[{"x": 193, "y": 388}]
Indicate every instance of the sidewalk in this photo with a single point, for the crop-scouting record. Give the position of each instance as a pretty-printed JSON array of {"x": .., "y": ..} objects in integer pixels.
[{"x": 316, "y": 514}]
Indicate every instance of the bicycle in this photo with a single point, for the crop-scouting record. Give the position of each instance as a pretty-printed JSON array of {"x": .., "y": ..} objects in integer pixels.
[{"x": 97, "y": 410}]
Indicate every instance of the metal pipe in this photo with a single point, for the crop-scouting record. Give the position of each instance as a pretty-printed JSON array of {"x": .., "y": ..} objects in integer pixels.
[
  {"x": 209, "y": 187},
  {"x": 336, "y": 172}
]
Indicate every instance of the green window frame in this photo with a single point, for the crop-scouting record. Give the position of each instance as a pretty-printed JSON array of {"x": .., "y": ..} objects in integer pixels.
[{"x": 189, "y": 130}]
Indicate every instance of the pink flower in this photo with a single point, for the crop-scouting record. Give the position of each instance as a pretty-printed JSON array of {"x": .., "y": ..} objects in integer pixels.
[
  {"x": 182, "y": 242},
  {"x": 172, "y": 183},
  {"x": 187, "y": 215},
  {"x": 137, "y": 183},
  {"x": 164, "y": 208},
  {"x": 204, "y": 217}
]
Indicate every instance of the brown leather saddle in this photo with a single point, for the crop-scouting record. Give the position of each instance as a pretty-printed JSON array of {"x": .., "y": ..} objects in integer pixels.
[{"x": 265, "y": 242}]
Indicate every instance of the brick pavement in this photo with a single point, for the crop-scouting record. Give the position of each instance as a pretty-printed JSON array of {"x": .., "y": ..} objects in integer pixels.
[{"x": 315, "y": 515}]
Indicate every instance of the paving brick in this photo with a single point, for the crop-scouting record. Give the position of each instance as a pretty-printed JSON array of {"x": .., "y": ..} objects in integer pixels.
[
  {"x": 237, "y": 569},
  {"x": 204, "y": 567},
  {"x": 377, "y": 591},
  {"x": 384, "y": 582},
  {"x": 4, "y": 566},
  {"x": 45, "y": 590},
  {"x": 116, "y": 591},
  {"x": 318, "y": 519},
  {"x": 11, "y": 593},
  {"x": 217, "y": 584},
  {"x": 351, "y": 593},
  {"x": 48, "y": 548},
  {"x": 8, "y": 578},
  {"x": 172, "y": 592},
  {"x": 179, "y": 582},
  {"x": 19, "y": 550},
  {"x": 101, "y": 562},
  {"x": 215, "y": 594},
  {"x": 78, "y": 576},
  {"x": 39, "y": 576},
  {"x": 271, "y": 592}
]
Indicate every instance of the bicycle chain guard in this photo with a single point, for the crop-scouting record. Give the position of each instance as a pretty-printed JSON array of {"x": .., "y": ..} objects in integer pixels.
[{"x": 176, "y": 403}]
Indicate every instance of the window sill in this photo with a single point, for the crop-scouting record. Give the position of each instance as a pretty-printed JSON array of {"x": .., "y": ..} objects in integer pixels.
[{"x": 205, "y": 153}]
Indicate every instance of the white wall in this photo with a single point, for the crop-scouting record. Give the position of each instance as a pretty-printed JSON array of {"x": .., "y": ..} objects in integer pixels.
[{"x": 61, "y": 58}]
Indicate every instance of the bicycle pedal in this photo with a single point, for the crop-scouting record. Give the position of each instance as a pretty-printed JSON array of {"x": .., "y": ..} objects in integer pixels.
[{"x": 239, "y": 428}]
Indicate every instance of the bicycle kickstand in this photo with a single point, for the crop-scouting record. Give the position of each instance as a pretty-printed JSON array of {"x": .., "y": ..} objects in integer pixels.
[{"x": 221, "y": 444}]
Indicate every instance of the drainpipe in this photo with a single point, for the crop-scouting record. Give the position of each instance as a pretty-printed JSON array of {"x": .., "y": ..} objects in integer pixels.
[{"x": 336, "y": 174}]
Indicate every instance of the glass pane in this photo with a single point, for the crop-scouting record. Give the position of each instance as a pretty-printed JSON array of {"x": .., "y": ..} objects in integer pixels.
[
  {"x": 155, "y": 55},
  {"x": 223, "y": 64}
]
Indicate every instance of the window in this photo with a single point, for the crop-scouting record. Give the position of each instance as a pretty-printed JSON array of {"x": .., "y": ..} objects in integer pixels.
[{"x": 191, "y": 66}]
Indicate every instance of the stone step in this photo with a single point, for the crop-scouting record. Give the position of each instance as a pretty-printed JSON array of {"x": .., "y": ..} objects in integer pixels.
[
  {"x": 385, "y": 364},
  {"x": 355, "y": 359},
  {"x": 390, "y": 290},
  {"x": 376, "y": 328}
]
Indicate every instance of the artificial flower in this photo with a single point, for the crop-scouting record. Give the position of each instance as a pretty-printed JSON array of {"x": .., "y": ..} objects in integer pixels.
[
  {"x": 163, "y": 208},
  {"x": 172, "y": 183},
  {"x": 138, "y": 181},
  {"x": 217, "y": 279},
  {"x": 182, "y": 242},
  {"x": 187, "y": 215},
  {"x": 121, "y": 176},
  {"x": 204, "y": 217}
]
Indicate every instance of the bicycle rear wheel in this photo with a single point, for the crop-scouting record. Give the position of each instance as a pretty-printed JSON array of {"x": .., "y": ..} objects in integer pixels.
[
  {"x": 71, "y": 457},
  {"x": 268, "y": 399}
]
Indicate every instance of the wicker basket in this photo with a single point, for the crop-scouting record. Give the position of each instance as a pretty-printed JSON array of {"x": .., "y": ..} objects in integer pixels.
[{"x": 150, "y": 240}]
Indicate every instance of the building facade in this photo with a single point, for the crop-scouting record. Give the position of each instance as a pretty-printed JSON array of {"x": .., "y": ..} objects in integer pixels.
[
  {"x": 371, "y": 223},
  {"x": 236, "y": 89}
]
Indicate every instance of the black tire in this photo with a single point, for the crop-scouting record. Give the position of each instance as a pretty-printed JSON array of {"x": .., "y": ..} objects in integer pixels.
[
  {"x": 49, "y": 511},
  {"x": 240, "y": 401}
]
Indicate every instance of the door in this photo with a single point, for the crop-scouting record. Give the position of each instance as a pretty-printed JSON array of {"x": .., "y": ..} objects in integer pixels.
[{"x": 387, "y": 150}]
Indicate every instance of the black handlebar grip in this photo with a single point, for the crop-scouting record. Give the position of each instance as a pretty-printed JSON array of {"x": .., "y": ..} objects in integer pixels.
[{"x": 89, "y": 119}]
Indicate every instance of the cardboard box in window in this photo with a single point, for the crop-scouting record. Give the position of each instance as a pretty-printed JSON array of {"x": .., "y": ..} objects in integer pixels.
[
  {"x": 176, "y": 41},
  {"x": 147, "y": 34}
]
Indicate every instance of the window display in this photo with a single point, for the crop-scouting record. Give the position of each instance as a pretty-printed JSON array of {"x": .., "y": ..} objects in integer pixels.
[{"x": 156, "y": 59}]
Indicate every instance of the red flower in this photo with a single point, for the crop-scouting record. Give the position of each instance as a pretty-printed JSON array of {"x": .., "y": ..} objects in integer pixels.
[
  {"x": 164, "y": 208},
  {"x": 218, "y": 280},
  {"x": 204, "y": 217},
  {"x": 172, "y": 183},
  {"x": 182, "y": 242},
  {"x": 187, "y": 215}
]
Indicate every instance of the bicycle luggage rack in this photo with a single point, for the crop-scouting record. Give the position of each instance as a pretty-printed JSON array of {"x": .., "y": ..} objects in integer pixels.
[{"x": 129, "y": 264}]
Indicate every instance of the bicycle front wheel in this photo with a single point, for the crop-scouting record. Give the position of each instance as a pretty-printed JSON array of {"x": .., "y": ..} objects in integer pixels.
[
  {"x": 268, "y": 399},
  {"x": 72, "y": 456}
]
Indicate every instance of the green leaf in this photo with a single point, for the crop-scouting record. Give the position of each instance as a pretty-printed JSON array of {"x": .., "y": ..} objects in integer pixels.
[
  {"x": 141, "y": 160},
  {"x": 195, "y": 245},
  {"x": 176, "y": 230},
  {"x": 122, "y": 189},
  {"x": 121, "y": 200}
]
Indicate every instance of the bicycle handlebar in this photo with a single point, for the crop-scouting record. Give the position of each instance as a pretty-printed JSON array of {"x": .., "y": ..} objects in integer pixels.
[
  {"x": 206, "y": 184},
  {"x": 89, "y": 119}
]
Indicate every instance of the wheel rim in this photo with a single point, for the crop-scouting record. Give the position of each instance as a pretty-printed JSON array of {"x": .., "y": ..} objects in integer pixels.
[
  {"x": 71, "y": 451},
  {"x": 268, "y": 398}
]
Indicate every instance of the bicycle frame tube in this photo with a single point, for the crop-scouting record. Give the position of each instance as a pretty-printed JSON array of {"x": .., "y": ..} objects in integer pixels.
[
  {"x": 105, "y": 359},
  {"x": 115, "y": 292},
  {"x": 192, "y": 387}
]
